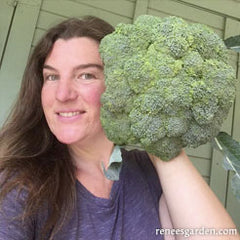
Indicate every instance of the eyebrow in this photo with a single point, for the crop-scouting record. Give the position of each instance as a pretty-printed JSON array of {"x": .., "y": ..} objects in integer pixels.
[{"x": 78, "y": 67}]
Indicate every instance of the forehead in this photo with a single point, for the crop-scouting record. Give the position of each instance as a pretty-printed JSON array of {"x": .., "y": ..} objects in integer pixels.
[{"x": 79, "y": 50}]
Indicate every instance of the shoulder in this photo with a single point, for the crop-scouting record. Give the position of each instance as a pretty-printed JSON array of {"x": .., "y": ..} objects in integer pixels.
[
  {"x": 135, "y": 156},
  {"x": 12, "y": 196},
  {"x": 138, "y": 160},
  {"x": 137, "y": 164},
  {"x": 12, "y": 225}
]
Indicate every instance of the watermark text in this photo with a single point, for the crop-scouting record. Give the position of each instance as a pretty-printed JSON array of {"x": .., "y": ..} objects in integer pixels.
[{"x": 187, "y": 232}]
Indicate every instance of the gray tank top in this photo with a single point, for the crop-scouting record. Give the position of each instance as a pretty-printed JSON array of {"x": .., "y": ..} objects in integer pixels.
[{"x": 131, "y": 212}]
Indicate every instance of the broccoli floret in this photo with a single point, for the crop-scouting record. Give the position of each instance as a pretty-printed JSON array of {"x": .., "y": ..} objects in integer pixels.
[
  {"x": 193, "y": 64},
  {"x": 208, "y": 43},
  {"x": 168, "y": 85},
  {"x": 113, "y": 122},
  {"x": 123, "y": 97},
  {"x": 166, "y": 148}
]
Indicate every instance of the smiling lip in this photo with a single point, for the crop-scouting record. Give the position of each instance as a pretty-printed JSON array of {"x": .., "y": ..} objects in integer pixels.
[{"x": 70, "y": 114}]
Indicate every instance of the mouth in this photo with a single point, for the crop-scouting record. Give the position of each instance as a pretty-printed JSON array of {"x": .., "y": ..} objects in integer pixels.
[{"x": 70, "y": 114}]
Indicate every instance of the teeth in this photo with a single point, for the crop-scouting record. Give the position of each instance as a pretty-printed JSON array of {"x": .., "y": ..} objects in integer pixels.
[{"x": 68, "y": 114}]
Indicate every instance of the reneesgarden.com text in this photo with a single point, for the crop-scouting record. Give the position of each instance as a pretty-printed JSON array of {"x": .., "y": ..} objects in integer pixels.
[{"x": 187, "y": 232}]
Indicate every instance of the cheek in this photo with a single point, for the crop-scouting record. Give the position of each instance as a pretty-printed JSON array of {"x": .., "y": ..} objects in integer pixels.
[
  {"x": 45, "y": 98},
  {"x": 94, "y": 96}
]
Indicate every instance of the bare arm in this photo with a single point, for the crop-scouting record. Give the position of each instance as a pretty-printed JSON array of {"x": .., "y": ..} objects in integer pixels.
[{"x": 189, "y": 200}]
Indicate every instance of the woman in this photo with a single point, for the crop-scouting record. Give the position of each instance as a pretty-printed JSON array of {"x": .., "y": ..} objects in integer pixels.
[{"x": 53, "y": 147}]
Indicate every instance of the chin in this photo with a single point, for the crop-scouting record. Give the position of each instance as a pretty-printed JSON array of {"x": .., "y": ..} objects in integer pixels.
[
  {"x": 67, "y": 139},
  {"x": 67, "y": 135}
]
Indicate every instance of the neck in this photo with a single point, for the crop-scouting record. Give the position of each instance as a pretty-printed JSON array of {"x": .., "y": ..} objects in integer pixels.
[{"x": 92, "y": 155}]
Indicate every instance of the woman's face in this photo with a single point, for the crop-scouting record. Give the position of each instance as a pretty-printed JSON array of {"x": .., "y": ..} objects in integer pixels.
[{"x": 73, "y": 83}]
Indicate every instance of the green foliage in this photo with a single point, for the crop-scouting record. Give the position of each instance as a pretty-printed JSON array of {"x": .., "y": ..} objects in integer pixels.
[
  {"x": 231, "y": 150},
  {"x": 225, "y": 143},
  {"x": 168, "y": 85},
  {"x": 233, "y": 43}
]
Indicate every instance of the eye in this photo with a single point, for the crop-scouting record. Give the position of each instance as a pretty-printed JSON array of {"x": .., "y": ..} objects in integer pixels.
[
  {"x": 51, "y": 77},
  {"x": 86, "y": 76}
]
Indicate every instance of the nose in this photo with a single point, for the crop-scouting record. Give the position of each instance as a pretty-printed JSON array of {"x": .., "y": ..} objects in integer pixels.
[{"x": 65, "y": 91}]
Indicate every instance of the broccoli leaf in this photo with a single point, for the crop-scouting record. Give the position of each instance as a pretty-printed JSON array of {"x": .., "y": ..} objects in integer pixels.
[
  {"x": 233, "y": 43},
  {"x": 231, "y": 150},
  {"x": 115, "y": 165}
]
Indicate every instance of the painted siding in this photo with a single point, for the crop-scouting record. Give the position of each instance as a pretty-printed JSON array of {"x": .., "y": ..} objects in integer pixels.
[
  {"x": 16, "y": 51},
  {"x": 55, "y": 11},
  {"x": 6, "y": 14}
]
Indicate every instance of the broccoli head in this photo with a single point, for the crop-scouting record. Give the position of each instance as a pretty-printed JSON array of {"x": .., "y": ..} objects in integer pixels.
[{"x": 168, "y": 85}]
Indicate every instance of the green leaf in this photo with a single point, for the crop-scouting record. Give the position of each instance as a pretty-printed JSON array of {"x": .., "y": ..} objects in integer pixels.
[
  {"x": 115, "y": 165},
  {"x": 233, "y": 43},
  {"x": 231, "y": 150},
  {"x": 236, "y": 48}
]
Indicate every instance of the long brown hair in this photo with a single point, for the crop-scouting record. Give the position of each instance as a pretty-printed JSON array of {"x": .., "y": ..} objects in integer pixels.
[{"x": 31, "y": 158}]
